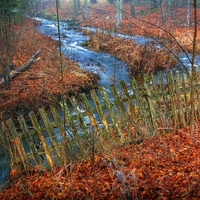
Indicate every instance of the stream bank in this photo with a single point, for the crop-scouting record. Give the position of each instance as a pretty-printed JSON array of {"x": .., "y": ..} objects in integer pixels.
[{"x": 41, "y": 83}]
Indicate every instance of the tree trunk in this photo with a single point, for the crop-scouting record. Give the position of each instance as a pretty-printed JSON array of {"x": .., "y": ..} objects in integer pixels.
[
  {"x": 14, "y": 73},
  {"x": 192, "y": 98},
  {"x": 169, "y": 4},
  {"x": 86, "y": 8},
  {"x": 74, "y": 5},
  {"x": 153, "y": 4},
  {"x": 188, "y": 12},
  {"x": 118, "y": 12},
  {"x": 132, "y": 8}
]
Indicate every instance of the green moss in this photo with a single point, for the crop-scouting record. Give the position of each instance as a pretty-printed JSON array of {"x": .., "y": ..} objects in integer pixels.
[
  {"x": 141, "y": 12},
  {"x": 85, "y": 43},
  {"x": 154, "y": 9}
]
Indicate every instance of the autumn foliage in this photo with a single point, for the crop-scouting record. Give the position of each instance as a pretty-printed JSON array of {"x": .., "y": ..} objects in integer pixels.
[
  {"x": 41, "y": 83},
  {"x": 162, "y": 167},
  {"x": 140, "y": 58}
]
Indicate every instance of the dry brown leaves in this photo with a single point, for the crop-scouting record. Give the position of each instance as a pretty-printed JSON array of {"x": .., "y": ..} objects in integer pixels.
[
  {"x": 140, "y": 58},
  {"x": 159, "y": 24},
  {"x": 43, "y": 79},
  {"x": 162, "y": 167}
]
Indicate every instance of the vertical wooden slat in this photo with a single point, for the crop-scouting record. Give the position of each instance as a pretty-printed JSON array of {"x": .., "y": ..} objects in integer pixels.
[
  {"x": 74, "y": 130},
  {"x": 29, "y": 140},
  {"x": 173, "y": 99},
  {"x": 111, "y": 113},
  {"x": 69, "y": 119},
  {"x": 197, "y": 96},
  {"x": 18, "y": 145},
  {"x": 79, "y": 115},
  {"x": 164, "y": 94},
  {"x": 52, "y": 136},
  {"x": 185, "y": 92},
  {"x": 131, "y": 109},
  {"x": 100, "y": 112},
  {"x": 178, "y": 96},
  {"x": 89, "y": 112},
  {"x": 141, "y": 101},
  {"x": 41, "y": 137},
  {"x": 159, "y": 102},
  {"x": 149, "y": 98},
  {"x": 7, "y": 147},
  {"x": 124, "y": 118},
  {"x": 61, "y": 126}
]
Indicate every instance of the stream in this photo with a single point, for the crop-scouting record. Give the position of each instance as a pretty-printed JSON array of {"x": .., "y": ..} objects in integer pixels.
[{"x": 110, "y": 69}]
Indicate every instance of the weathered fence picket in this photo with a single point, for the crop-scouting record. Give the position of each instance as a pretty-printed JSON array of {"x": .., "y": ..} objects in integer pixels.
[{"x": 160, "y": 101}]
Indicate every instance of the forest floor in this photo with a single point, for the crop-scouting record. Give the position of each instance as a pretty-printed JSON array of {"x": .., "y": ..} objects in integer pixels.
[
  {"x": 170, "y": 30},
  {"x": 41, "y": 83},
  {"x": 161, "y": 167},
  {"x": 158, "y": 24}
]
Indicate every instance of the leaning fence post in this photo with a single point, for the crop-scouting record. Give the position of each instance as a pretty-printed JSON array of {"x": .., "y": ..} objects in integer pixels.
[
  {"x": 100, "y": 112},
  {"x": 41, "y": 137},
  {"x": 149, "y": 99},
  {"x": 111, "y": 113},
  {"x": 29, "y": 139},
  {"x": 49, "y": 128},
  {"x": 7, "y": 146},
  {"x": 17, "y": 144}
]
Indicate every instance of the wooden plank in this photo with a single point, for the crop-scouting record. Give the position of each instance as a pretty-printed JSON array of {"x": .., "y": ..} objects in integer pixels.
[
  {"x": 112, "y": 113},
  {"x": 128, "y": 98},
  {"x": 123, "y": 113},
  {"x": 99, "y": 109},
  {"x": 79, "y": 115},
  {"x": 149, "y": 98},
  {"x": 182, "y": 122},
  {"x": 17, "y": 145},
  {"x": 158, "y": 104},
  {"x": 184, "y": 91},
  {"x": 52, "y": 136},
  {"x": 89, "y": 112},
  {"x": 29, "y": 140},
  {"x": 74, "y": 130},
  {"x": 142, "y": 103},
  {"x": 61, "y": 126},
  {"x": 7, "y": 146},
  {"x": 41, "y": 137},
  {"x": 172, "y": 91},
  {"x": 164, "y": 94}
]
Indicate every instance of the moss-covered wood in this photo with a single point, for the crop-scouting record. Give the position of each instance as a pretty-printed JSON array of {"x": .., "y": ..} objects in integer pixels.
[{"x": 153, "y": 104}]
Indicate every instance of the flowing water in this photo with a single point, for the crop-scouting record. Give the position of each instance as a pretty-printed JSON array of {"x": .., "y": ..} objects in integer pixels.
[{"x": 110, "y": 69}]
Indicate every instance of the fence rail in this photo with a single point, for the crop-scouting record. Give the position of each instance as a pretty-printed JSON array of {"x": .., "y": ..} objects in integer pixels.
[{"x": 160, "y": 102}]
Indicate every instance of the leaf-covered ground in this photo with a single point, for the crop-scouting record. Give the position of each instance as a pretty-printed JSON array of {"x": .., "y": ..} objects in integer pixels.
[
  {"x": 140, "y": 58},
  {"x": 162, "y": 167},
  {"x": 159, "y": 23},
  {"x": 41, "y": 83},
  {"x": 168, "y": 29}
]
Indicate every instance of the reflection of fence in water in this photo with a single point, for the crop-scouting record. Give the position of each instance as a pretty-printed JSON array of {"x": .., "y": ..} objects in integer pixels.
[{"x": 153, "y": 105}]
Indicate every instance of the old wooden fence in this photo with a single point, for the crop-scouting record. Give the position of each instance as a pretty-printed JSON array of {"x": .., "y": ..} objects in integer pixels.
[{"x": 160, "y": 103}]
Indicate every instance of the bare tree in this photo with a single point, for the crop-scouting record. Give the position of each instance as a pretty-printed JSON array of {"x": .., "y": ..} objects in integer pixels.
[
  {"x": 118, "y": 12},
  {"x": 192, "y": 99},
  {"x": 11, "y": 14}
]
